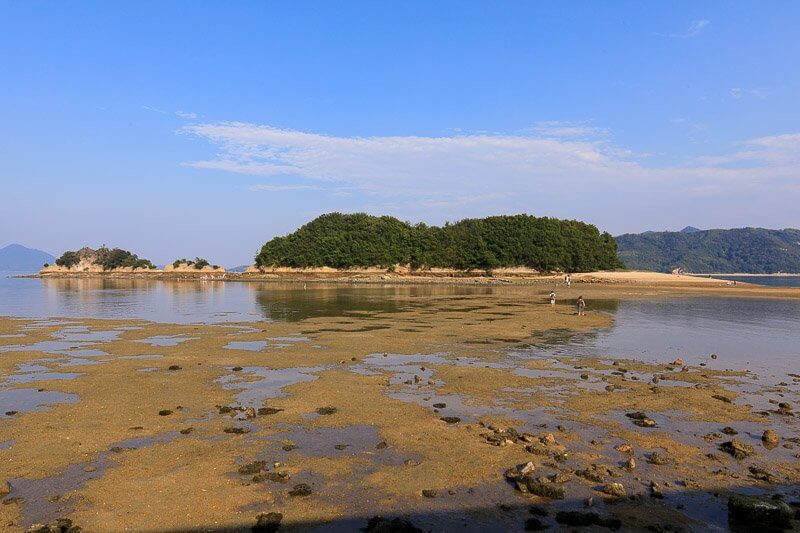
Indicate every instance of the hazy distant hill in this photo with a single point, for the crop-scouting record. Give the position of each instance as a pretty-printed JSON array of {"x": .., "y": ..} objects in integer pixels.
[
  {"x": 240, "y": 268},
  {"x": 746, "y": 250},
  {"x": 16, "y": 257}
]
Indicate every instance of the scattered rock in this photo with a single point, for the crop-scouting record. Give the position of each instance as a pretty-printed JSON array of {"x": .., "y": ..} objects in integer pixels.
[
  {"x": 584, "y": 519},
  {"x": 279, "y": 477},
  {"x": 645, "y": 423},
  {"x": 721, "y": 398},
  {"x": 264, "y": 411},
  {"x": 429, "y": 493},
  {"x": 738, "y": 450},
  {"x": 224, "y": 409},
  {"x": 729, "y": 431},
  {"x": 584, "y": 376},
  {"x": 378, "y": 524},
  {"x": 236, "y": 430},
  {"x": 544, "y": 490},
  {"x": 249, "y": 413},
  {"x": 770, "y": 439},
  {"x": 327, "y": 410},
  {"x": 713, "y": 356},
  {"x": 237, "y": 369},
  {"x": 520, "y": 471},
  {"x": 762, "y": 475},
  {"x": 267, "y": 523},
  {"x": 656, "y": 491},
  {"x": 534, "y": 524},
  {"x": 62, "y": 525},
  {"x": 303, "y": 489},
  {"x": 440, "y": 405},
  {"x": 174, "y": 367},
  {"x": 253, "y": 468},
  {"x": 164, "y": 412},
  {"x": 657, "y": 458},
  {"x": 5, "y": 489},
  {"x": 752, "y": 513},
  {"x": 624, "y": 448},
  {"x": 630, "y": 464},
  {"x": 11, "y": 413},
  {"x": 288, "y": 447},
  {"x": 381, "y": 445},
  {"x": 637, "y": 415},
  {"x": 186, "y": 431},
  {"x": 614, "y": 489},
  {"x": 451, "y": 419},
  {"x": 677, "y": 362}
]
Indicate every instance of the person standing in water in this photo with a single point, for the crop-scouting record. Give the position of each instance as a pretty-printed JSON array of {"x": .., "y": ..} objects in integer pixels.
[
  {"x": 581, "y": 306},
  {"x": 552, "y": 297},
  {"x": 568, "y": 279}
]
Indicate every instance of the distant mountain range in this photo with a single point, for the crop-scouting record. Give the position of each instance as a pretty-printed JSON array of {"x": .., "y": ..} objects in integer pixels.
[
  {"x": 18, "y": 258},
  {"x": 741, "y": 250}
]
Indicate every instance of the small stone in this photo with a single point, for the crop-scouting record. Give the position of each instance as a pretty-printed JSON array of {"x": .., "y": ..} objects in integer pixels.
[
  {"x": 250, "y": 413},
  {"x": 630, "y": 464},
  {"x": 729, "y": 431},
  {"x": 544, "y": 490},
  {"x": 164, "y": 412},
  {"x": 645, "y": 423},
  {"x": 264, "y": 411},
  {"x": 186, "y": 431},
  {"x": 303, "y": 489},
  {"x": 713, "y": 356},
  {"x": 770, "y": 439},
  {"x": 520, "y": 471},
  {"x": 656, "y": 491},
  {"x": 624, "y": 448},
  {"x": 721, "y": 398},
  {"x": 440, "y": 405},
  {"x": 237, "y": 369},
  {"x": 89, "y": 468},
  {"x": 236, "y": 430},
  {"x": 381, "y": 445},
  {"x": 614, "y": 489},
  {"x": 326, "y": 410},
  {"x": 677, "y": 362},
  {"x": 429, "y": 493},
  {"x": 5, "y": 489},
  {"x": 737, "y": 449},
  {"x": 279, "y": 477},
  {"x": 288, "y": 447},
  {"x": 267, "y": 523},
  {"x": 255, "y": 467},
  {"x": 584, "y": 376},
  {"x": 174, "y": 367},
  {"x": 534, "y": 524},
  {"x": 451, "y": 419},
  {"x": 636, "y": 415},
  {"x": 656, "y": 458}
]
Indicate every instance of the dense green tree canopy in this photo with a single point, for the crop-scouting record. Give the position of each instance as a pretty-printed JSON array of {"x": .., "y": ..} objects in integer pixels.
[
  {"x": 108, "y": 258},
  {"x": 745, "y": 250},
  {"x": 359, "y": 240}
]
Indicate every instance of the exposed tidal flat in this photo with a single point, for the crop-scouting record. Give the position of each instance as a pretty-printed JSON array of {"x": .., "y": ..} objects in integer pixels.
[{"x": 149, "y": 405}]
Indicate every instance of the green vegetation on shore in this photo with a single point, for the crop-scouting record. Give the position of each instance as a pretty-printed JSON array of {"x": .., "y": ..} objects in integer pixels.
[
  {"x": 108, "y": 258},
  {"x": 198, "y": 263},
  {"x": 359, "y": 240},
  {"x": 742, "y": 250}
]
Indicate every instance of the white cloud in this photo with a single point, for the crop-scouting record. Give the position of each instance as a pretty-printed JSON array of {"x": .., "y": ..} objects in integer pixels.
[
  {"x": 281, "y": 188},
  {"x": 738, "y": 93},
  {"x": 568, "y": 129},
  {"x": 693, "y": 30},
  {"x": 488, "y": 171},
  {"x": 186, "y": 115}
]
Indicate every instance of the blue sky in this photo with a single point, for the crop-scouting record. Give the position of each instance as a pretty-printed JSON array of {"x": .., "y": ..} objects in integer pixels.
[{"x": 196, "y": 128}]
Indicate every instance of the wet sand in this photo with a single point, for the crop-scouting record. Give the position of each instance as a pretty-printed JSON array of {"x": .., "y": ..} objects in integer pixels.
[{"x": 416, "y": 413}]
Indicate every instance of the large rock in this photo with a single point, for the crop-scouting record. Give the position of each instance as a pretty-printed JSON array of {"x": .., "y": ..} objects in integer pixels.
[
  {"x": 755, "y": 513},
  {"x": 738, "y": 450}
]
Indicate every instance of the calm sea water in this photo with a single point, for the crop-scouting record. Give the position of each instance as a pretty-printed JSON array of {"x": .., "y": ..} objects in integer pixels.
[
  {"x": 762, "y": 332},
  {"x": 772, "y": 281}
]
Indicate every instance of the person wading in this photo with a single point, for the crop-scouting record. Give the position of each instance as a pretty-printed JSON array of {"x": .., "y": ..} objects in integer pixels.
[
  {"x": 552, "y": 297},
  {"x": 581, "y": 306}
]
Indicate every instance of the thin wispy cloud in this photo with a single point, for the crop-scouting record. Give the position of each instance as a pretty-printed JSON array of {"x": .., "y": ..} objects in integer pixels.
[
  {"x": 737, "y": 93},
  {"x": 453, "y": 170},
  {"x": 693, "y": 30},
  {"x": 281, "y": 188},
  {"x": 154, "y": 110},
  {"x": 186, "y": 115},
  {"x": 568, "y": 129}
]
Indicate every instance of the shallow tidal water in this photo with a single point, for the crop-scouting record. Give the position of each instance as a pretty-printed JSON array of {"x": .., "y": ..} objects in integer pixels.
[{"x": 759, "y": 335}]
